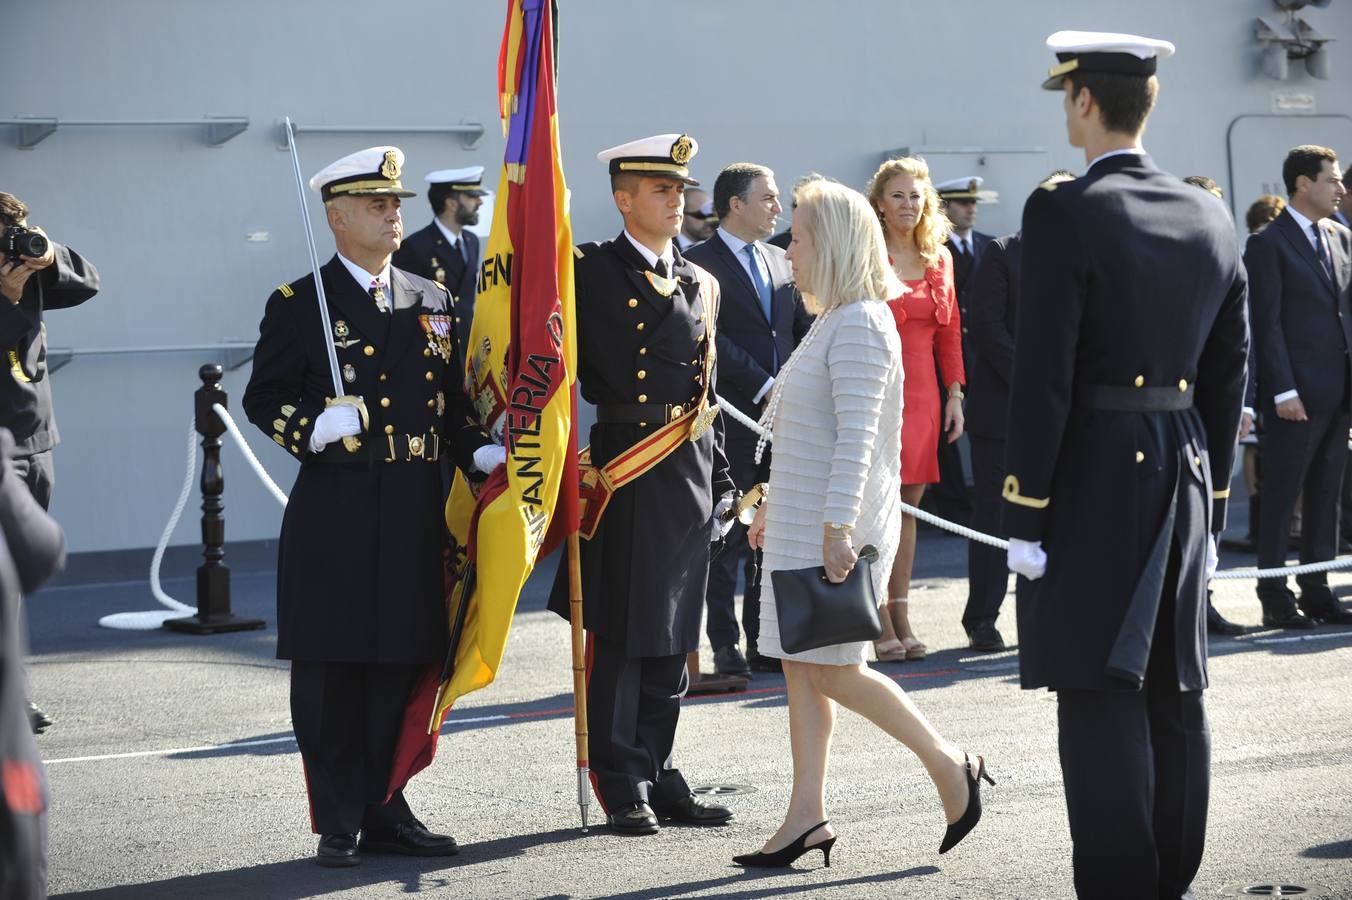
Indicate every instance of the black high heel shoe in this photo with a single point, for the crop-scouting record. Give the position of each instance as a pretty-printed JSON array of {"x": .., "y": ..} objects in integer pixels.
[
  {"x": 972, "y": 814},
  {"x": 782, "y": 859}
]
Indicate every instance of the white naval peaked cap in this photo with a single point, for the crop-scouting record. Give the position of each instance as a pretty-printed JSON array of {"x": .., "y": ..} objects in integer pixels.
[
  {"x": 469, "y": 179},
  {"x": 968, "y": 187},
  {"x": 1103, "y": 51},
  {"x": 366, "y": 173},
  {"x": 659, "y": 156}
]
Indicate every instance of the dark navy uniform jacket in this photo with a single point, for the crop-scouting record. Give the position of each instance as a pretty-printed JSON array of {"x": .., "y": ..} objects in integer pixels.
[
  {"x": 1132, "y": 296},
  {"x": 989, "y": 320},
  {"x": 426, "y": 253},
  {"x": 25, "y": 385},
  {"x": 645, "y": 571},
  {"x": 360, "y": 561}
]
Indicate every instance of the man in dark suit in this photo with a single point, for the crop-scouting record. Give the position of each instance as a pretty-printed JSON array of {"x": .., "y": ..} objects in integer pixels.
[
  {"x": 446, "y": 251},
  {"x": 58, "y": 279},
  {"x": 1128, "y": 377},
  {"x": 988, "y": 320},
  {"x": 360, "y": 572},
  {"x": 1300, "y": 290},
  {"x": 644, "y": 317},
  {"x": 761, "y": 319},
  {"x": 32, "y": 549}
]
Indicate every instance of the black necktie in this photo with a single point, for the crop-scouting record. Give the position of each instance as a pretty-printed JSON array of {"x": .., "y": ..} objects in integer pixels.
[
  {"x": 661, "y": 268},
  {"x": 1320, "y": 251},
  {"x": 464, "y": 251}
]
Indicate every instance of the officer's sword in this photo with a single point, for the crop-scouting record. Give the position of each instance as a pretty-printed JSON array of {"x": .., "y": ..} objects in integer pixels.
[{"x": 339, "y": 398}]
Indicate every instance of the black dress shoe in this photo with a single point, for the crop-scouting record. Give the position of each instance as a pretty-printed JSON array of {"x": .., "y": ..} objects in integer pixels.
[
  {"x": 730, "y": 661},
  {"x": 1286, "y": 617},
  {"x": 38, "y": 719},
  {"x": 1219, "y": 625},
  {"x": 636, "y": 819},
  {"x": 337, "y": 851},
  {"x": 409, "y": 838},
  {"x": 985, "y": 638},
  {"x": 691, "y": 810},
  {"x": 1323, "y": 607},
  {"x": 761, "y": 663}
]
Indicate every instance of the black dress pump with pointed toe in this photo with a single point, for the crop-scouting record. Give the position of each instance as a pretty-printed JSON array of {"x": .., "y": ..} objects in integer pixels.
[
  {"x": 972, "y": 814},
  {"x": 787, "y": 856}
]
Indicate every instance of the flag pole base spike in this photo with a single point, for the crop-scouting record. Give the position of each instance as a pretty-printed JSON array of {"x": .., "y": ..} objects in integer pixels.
[{"x": 584, "y": 794}]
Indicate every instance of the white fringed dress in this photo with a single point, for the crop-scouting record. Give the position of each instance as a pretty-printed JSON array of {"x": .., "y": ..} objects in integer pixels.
[{"x": 837, "y": 457}]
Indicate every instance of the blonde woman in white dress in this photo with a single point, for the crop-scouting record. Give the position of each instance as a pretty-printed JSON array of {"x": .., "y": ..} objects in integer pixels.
[{"x": 835, "y": 416}]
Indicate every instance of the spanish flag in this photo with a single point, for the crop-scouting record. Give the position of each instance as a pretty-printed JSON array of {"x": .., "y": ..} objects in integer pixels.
[{"x": 521, "y": 373}]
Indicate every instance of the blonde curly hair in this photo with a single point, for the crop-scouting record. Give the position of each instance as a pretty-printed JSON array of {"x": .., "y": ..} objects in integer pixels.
[{"x": 932, "y": 226}]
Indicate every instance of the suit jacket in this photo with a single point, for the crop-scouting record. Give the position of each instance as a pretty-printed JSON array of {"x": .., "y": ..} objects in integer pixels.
[
  {"x": 32, "y": 548},
  {"x": 1131, "y": 282},
  {"x": 1302, "y": 320},
  {"x": 989, "y": 322},
  {"x": 425, "y": 253},
  {"x": 645, "y": 570},
  {"x": 359, "y": 562},
  {"x": 25, "y": 388},
  {"x": 751, "y": 348},
  {"x": 965, "y": 264}
]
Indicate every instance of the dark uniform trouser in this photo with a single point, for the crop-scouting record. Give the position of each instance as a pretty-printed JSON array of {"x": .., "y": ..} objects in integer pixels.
[
  {"x": 1298, "y": 456},
  {"x": 38, "y": 472},
  {"x": 719, "y": 596},
  {"x": 347, "y": 718},
  {"x": 987, "y": 570},
  {"x": 1136, "y": 766},
  {"x": 633, "y": 704}
]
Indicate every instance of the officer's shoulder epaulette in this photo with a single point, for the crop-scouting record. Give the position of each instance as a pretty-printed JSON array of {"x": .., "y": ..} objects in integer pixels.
[
  {"x": 1048, "y": 185},
  {"x": 286, "y": 290}
]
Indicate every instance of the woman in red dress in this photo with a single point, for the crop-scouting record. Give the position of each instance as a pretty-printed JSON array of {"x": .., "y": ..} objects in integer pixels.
[{"x": 928, "y": 322}]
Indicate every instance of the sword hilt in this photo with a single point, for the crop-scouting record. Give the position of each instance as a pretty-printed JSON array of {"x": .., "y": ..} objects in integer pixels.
[{"x": 352, "y": 443}]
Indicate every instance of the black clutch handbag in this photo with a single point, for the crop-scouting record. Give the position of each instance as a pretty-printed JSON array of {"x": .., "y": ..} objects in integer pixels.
[{"x": 814, "y": 612}]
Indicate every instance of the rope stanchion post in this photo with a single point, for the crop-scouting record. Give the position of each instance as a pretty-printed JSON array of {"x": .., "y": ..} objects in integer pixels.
[{"x": 213, "y": 576}]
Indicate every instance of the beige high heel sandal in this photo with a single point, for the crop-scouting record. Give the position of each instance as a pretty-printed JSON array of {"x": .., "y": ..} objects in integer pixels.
[{"x": 911, "y": 646}]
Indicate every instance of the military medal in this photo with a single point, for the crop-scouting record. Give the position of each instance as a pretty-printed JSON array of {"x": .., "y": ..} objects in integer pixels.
[
  {"x": 341, "y": 332},
  {"x": 664, "y": 286},
  {"x": 349, "y": 373},
  {"x": 438, "y": 330}
]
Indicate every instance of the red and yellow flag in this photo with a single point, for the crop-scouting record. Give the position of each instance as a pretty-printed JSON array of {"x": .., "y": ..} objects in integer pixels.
[{"x": 520, "y": 372}]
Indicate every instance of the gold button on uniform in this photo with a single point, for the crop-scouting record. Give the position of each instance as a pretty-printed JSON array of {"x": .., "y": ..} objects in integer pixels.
[
  {"x": 389, "y": 429},
  {"x": 384, "y": 377},
  {"x": 431, "y": 404},
  {"x": 638, "y": 327},
  {"x": 632, "y": 303},
  {"x": 642, "y": 374},
  {"x": 1182, "y": 384},
  {"x": 384, "y": 401},
  {"x": 642, "y": 398},
  {"x": 1140, "y": 381},
  {"x": 1140, "y": 457},
  {"x": 430, "y": 377},
  {"x": 427, "y": 351},
  {"x": 642, "y": 351},
  {"x": 369, "y": 350}
]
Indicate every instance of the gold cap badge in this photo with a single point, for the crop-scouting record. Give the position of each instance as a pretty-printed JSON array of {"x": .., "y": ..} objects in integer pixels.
[
  {"x": 390, "y": 167},
  {"x": 682, "y": 150}
]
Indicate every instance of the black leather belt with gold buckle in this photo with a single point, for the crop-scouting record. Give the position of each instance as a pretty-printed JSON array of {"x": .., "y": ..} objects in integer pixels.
[
  {"x": 654, "y": 413},
  {"x": 409, "y": 447}
]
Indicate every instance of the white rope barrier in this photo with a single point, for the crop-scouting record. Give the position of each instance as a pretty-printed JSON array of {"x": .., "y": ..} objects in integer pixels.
[
  {"x": 151, "y": 619},
  {"x": 1227, "y": 575}
]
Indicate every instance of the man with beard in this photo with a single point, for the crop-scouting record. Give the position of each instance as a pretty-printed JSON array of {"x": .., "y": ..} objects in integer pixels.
[{"x": 446, "y": 251}]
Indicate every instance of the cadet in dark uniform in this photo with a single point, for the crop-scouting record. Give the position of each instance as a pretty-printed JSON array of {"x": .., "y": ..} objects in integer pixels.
[
  {"x": 446, "y": 251},
  {"x": 1129, "y": 369},
  {"x": 360, "y": 597},
  {"x": 645, "y": 328},
  {"x": 32, "y": 549}
]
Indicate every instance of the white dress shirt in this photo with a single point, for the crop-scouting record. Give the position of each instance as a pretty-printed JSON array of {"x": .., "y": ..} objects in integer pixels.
[
  {"x": 364, "y": 278},
  {"x": 650, "y": 257}
]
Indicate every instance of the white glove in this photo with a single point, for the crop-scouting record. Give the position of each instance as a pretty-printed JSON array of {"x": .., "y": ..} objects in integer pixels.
[
  {"x": 333, "y": 424},
  {"x": 1213, "y": 558},
  {"x": 489, "y": 457},
  {"x": 720, "y": 527},
  {"x": 1027, "y": 558}
]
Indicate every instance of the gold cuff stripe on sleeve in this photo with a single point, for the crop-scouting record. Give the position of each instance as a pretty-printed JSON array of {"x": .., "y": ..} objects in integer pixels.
[
  {"x": 1221, "y": 495},
  {"x": 1011, "y": 493}
]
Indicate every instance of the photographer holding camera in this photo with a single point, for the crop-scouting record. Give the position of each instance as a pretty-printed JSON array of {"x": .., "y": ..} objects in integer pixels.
[{"x": 36, "y": 274}]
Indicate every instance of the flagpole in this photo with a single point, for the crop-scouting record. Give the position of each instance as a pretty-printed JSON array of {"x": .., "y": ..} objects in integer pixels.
[{"x": 579, "y": 676}]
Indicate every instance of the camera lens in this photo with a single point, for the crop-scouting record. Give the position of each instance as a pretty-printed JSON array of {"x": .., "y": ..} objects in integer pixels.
[{"x": 32, "y": 244}]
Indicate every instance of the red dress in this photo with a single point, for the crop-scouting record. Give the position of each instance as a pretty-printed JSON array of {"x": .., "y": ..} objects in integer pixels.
[{"x": 930, "y": 328}]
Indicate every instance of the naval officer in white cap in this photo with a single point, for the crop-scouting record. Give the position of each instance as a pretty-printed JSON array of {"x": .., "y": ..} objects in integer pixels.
[
  {"x": 646, "y": 321},
  {"x": 360, "y": 593},
  {"x": 1129, "y": 369},
  {"x": 446, "y": 251}
]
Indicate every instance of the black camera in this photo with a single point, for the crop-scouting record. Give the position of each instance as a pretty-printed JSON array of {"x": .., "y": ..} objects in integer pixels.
[{"x": 19, "y": 241}]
